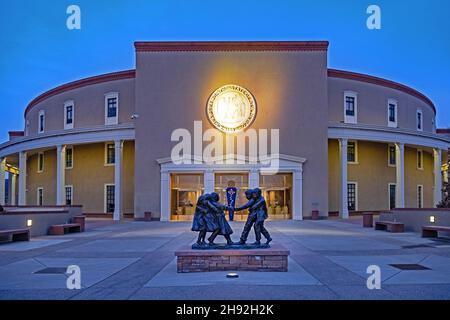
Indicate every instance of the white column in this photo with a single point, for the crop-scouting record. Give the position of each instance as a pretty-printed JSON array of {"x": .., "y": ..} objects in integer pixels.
[
  {"x": 60, "y": 175},
  {"x": 343, "y": 209},
  {"x": 22, "y": 178},
  {"x": 209, "y": 180},
  {"x": 12, "y": 196},
  {"x": 253, "y": 179},
  {"x": 297, "y": 194},
  {"x": 165, "y": 196},
  {"x": 2, "y": 180},
  {"x": 437, "y": 156},
  {"x": 400, "y": 175},
  {"x": 118, "y": 147}
]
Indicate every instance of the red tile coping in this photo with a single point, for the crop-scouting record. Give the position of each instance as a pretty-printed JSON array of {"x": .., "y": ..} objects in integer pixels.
[
  {"x": 274, "y": 250},
  {"x": 443, "y": 131},
  {"x": 151, "y": 46}
]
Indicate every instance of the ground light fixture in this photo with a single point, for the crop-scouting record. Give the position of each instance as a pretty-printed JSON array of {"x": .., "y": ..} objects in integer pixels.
[{"x": 232, "y": 275}]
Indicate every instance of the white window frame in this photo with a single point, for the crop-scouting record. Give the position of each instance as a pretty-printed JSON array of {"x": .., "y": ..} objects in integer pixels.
[
  {"x": 419, "y": 205},
  {"x": 69, "y": 103},
  {"x": 389, "y": 155},
  {"x": 41, "y": 114},
  {"x": 65, "y": 164},
  {"x": 40, "y": 163},
  {"x": 37, "y": 196},
  {"x": 111, "y": 120},
  {"x": 419, "y": 152},
  {"x": 356, "y": 193},
  {"x": 392, "y": 124},
  {"x": 350, "y": 119},
  {"x": 421, "y": 120},
  {"x": 105, "y": 189},
  {"x": 71, "y": 194},
  {"x": 106, "y": 154},
  {"x": 356, "y": 152},
  {"x": 389, "y": 194}
]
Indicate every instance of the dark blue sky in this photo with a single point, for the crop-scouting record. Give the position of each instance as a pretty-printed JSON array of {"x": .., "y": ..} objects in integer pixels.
[{"x": 38, "y": 52}]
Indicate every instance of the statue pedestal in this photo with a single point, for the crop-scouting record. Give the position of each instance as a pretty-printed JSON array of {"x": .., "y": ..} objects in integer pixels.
[{"x": 273, "y": 259}]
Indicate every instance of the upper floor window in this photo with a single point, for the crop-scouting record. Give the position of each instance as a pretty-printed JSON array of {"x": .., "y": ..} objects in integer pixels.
[
  {"x": 41, "y": 121},
  {"x": 112, "y": 108},
  {"x": 391, "y": 156},
  {"x": 419, "y": 120},
  {"x": 40, "y": 162},
  {"x": 392, "y": 113},
  {"x": 69, "y": 109},
  {"x": 419, "y": 159},
  {"x": 110, "y": 154},
  {"x": 352, "y": 152},
  {"x": 350, "y": 107},
  {"x": 69, "y": 157}
]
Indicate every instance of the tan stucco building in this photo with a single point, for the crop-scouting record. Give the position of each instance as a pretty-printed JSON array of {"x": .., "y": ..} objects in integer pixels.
[{"x": 348, "y": 142}]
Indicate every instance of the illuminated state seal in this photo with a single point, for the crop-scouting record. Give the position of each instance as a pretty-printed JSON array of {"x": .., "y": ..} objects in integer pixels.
[{"x": 231, "y": 108}]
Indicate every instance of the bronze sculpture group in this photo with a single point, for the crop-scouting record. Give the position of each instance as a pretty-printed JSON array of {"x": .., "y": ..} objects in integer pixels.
[{"x": 210, "y": 217}]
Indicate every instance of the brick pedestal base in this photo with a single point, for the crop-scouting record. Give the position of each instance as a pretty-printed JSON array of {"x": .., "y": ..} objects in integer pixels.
[{"x": 270, "y": 259}]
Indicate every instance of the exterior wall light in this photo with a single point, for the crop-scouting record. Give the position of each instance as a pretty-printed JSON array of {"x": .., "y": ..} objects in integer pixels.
[
  {"x": 29, "y": 223},
  {"x": 432, "y": 219}
]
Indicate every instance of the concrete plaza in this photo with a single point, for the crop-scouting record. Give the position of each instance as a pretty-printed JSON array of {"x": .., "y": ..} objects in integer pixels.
[{"x": 135, "y": 260}]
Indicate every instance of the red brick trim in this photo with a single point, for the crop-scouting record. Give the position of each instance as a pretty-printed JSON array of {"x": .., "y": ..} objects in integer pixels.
[
  {"x": 127, "y": 74},
  {"x": 16, "y": 133},
  {"x": 443, "y": 131},
  {"x": 333, "y": 73},
  {"x": 148, "y": 46}
]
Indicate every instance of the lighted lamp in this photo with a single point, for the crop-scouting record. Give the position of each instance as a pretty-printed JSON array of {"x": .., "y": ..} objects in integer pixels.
[
  {"x": 432, "y": 219},
  {"x": 29, "y": 223}
]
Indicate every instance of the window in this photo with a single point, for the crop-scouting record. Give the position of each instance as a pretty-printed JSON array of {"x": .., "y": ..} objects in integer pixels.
[
  {"x": 69, "y": 109},
  {"x": 352, "y": 194},
  {"x": 419, "y": 120},
  {"x": 350, "y": 107},
  {"x": 41, "y": 123},
  {"x": 40, "y": 196},
  {"x": 40, "y": 162},
  {"x": 352, "y": 150},
  {"x": 419, "y": 196},
  {"x": 111, "y": 108},
  {"x": 392, "y": 156},
  {"x": 69, "y": 195},
  {"x": 392, "y": 192},
  {"x": 110, "y": 154},
  {"x": 419, "y": 159},
  {"x": 392, "y": 113},
  {"x": 109, "y": 198},
  {"x": 69, "y": 157}
]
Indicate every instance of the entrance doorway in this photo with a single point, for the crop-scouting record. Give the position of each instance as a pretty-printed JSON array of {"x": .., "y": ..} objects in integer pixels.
[{"x": 239, "y": 180}]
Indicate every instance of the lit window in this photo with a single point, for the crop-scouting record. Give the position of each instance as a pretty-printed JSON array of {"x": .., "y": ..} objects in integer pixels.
[
  {"x": 351, "y": 152},
  {"x": 109, "y": 198},
  {"x": 69, "y": 157},
  {"x": 351, "y": 196},
  {"x": 40, "y": 162},
  {"x": 110, "y": 153},
  {"x": 419, "y": 159},
  {"x": 111, "y": 108},
  {"x": 69, "y": 195},
  {"x": 41, "y": 123},
  {"x": 391, "y": 156},
  {"x": 419, "y": 196},
  {"x": 392, "y": 192}
]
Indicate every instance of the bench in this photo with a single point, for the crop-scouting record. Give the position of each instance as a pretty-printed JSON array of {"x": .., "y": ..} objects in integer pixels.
[
  {"x": 16, "y": 234},
  {"x": 432, "y": 231},
  {"x": 390, "y": 226},
  {"x": 81, "y": 220},
  {"x": 61, "y": 229},
  {"x": 368, "y": 219}
]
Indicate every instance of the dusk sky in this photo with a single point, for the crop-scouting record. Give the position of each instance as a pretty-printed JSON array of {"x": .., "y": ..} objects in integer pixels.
[{"x": 38, "y": 52}]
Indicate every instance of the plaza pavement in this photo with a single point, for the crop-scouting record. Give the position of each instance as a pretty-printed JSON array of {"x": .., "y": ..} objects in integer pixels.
[{"x": 135, "y": 260}]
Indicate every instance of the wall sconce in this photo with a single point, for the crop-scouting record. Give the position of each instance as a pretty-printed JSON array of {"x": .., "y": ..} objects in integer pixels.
[
  {"x": 432, "y": 219},
  {"x": 29, "y": 223}
]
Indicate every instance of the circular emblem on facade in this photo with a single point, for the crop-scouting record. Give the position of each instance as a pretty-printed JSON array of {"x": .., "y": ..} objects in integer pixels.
[{"x": 231, "y": 108}]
